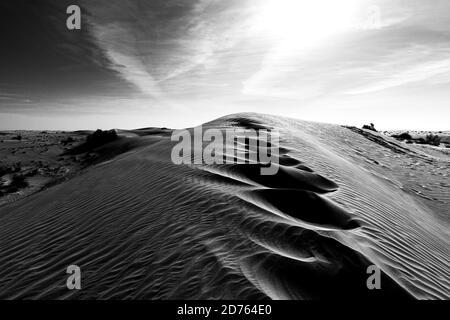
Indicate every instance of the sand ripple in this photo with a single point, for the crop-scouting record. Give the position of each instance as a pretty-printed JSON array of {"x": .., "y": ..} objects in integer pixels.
[{"x": 142, "y": 227}]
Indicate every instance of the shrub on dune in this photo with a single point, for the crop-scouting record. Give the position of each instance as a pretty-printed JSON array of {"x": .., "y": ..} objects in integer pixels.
[
  {"x": 68, "y": 140},
  {"x": 403, "y": 136},
  {"x": 433, "y": 140},
  {"x": 100, "y": 137},
  {"x": 370, "y": 127},
  {"x": 94, "y": 140},
  {"x": 17, "y": 182}
]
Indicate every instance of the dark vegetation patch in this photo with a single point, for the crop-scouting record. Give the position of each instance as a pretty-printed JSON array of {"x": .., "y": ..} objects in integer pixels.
[
  {"x": 95, "y": 140},
  {"x": 12, "y": 181},
  {"x": 430, "y": 139},
  {"x": 370, "y": 127},
  {"x": 101, "y": 146},
  {"x": 17, "y": 137},
  {"x": 402, "y": 136},
  {"x": 67, "y": 140},
  {"x": 433, "y": 140}
]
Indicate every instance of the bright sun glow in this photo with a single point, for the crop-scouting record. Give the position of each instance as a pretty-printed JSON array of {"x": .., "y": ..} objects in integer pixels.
[{"x": 305, "y": 20}]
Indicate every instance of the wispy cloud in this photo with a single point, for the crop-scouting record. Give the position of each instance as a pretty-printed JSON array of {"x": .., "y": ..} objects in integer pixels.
[
  {"x": 418, "y": 72},
  {"x": 120, "y": 46},
  {"x": 401, "y": 49},
  {"x": 155, "y": 42}
]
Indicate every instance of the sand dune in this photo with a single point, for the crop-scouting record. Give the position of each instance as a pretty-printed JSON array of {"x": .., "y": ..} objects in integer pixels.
[{"x": 141, "y": 227}]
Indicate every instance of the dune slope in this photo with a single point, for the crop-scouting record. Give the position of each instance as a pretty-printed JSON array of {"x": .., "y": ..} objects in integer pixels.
[{"x": 141, "y": 227}]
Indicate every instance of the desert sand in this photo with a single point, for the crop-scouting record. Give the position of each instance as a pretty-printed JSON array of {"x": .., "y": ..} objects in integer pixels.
[{"x": 141, "y": 227}]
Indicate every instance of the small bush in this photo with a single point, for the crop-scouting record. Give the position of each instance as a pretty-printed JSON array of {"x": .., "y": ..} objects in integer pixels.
[
  {"x": 403, "y": 136},
  {"x": 68, "y": 140},
  {"x": 93, "y": 141},
  {"x": 17, "y": 182},
  {"x": 433, "y": 140},
  {"x": 4, "y": 170},
  {"x": 370, "y": 127},
  {"x": 420, "y": 141},
  {"x": 100, "y": 137}
]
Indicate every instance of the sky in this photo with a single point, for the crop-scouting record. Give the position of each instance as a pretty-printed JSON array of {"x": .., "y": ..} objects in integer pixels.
[{"x": 179, "y": 63}]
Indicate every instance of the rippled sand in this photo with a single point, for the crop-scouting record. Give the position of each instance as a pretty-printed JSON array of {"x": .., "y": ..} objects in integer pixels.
[{"x": 141, "y": 227}]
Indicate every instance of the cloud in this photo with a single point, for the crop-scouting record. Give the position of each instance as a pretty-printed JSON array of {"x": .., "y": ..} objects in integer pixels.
[
  {"x": 192, "y": 54},
  {"x": 125, "y": 60},
  {"x": 415, "y": 73},
  {"x": 152, "y": 43},
  {"x": 401, "y": 50}
]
